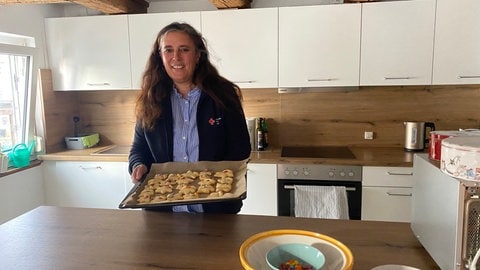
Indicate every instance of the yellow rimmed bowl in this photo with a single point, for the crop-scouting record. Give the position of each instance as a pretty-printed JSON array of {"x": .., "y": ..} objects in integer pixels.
[{"x": 254, "y": 249}]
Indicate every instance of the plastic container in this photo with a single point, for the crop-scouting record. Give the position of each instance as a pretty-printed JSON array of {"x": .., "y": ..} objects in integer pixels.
[
  {"x": 3, "y": 163},
  {"x": 461, "y": 157},
  {"x": 436, "y": 138},
  {"x": 82, "y": 141}
]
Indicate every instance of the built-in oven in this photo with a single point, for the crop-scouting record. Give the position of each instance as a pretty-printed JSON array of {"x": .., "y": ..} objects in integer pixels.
[
  {"x": 348, "y": 176},
  {"x": 318, "y": 174}
]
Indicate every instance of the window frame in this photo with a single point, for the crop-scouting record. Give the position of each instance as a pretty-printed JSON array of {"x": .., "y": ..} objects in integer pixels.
[{"x": 32, "y": 86}]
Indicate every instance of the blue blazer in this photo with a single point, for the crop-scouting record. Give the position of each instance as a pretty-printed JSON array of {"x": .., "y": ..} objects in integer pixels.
[{"x": 222, "y": 134}]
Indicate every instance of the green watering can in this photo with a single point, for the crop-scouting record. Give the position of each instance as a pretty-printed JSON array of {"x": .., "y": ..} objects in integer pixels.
[{"x": 20, "y": 155}]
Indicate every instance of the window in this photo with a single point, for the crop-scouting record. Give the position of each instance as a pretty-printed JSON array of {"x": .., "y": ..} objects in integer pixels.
[
  {"x": 15, "y": 88},
  {"x": 14, "y": 85}
]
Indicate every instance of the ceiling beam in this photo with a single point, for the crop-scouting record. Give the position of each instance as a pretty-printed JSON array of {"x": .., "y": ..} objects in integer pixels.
[{"x": 104, "y": 6}]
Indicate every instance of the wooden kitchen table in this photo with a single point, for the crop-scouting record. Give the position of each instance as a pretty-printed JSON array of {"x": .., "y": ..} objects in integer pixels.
[{"x": 77, "y": 238}]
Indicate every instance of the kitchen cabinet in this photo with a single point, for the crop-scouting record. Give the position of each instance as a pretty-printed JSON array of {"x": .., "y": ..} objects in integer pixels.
[
  {"x": 89, "y": 53},
  {"x": 387, "y": 193},
  {"x": 397, "y": 43},
  {"x": 86, "y": 184},
  {"x": 457, "y": 42},
  {"x": 143, "y": 30},
  {"x": 261, "y": 190},
  {"x": 319, "y": 45},
  {"x": 21, "y": 192},
  {"x": 243, "y": 45}
]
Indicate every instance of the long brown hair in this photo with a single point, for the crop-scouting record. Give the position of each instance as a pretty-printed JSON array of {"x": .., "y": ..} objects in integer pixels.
[{"x": 157, "y": 85}]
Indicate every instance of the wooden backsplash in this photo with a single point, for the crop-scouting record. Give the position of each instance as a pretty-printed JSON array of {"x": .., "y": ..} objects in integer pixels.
[{"x": 327, "y": 118}]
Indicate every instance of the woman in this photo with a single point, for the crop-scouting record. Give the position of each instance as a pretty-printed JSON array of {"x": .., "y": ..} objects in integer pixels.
[{"x": 186, "y": 111}]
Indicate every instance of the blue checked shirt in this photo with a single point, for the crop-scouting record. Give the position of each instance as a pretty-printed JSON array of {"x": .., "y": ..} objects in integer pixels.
[{"x": 185, "y": 135}]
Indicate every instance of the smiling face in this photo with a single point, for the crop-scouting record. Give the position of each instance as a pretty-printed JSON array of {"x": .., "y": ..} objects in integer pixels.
[{"x": 180, "y": 58}]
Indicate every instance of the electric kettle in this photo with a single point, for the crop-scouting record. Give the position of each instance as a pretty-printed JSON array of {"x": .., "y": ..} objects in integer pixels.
[{"x": 415, "y": 135}]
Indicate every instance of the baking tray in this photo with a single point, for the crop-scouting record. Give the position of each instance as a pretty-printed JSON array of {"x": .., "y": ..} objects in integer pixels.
[{"x": 239, "y": 185}]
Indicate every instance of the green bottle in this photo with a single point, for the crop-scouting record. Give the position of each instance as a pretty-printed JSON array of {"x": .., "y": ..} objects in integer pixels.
[{"x": 263, "y": 123}]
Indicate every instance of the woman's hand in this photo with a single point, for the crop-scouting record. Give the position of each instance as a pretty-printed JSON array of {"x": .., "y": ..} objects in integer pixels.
[{"x": 138, "y": 173}]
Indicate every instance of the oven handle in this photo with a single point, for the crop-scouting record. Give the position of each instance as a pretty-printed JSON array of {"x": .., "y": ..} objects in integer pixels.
[{"x": 293, "y": 187}]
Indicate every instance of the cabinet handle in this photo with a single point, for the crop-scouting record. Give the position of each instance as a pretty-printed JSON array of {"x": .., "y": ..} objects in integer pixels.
[
  {"x": 399, "y": 194},
  {"x": 468, "y": 77},
  {"x": 91, "y": 168},
  {"x": 395, "y": 173},
  {"x": 248, "y": 81},
  {"x": 399, "y": 78},
  {"x": 322, "y": 80},
  {"x": 98, "y": 84},
  {"x": 293, "y": 187}
]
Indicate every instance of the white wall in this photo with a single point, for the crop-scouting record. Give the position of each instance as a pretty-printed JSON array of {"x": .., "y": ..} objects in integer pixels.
[{"x": 28, "y": 20}]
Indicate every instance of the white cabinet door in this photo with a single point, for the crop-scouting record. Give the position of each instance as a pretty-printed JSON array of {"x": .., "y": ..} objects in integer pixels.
[
  {"x": 261, "y": 190},
  {"x": 143, "y": 30},
  {"x": 21, "y": 192},
  {"x": 89, "y": 53},
  {"x": 85, "y": 184},
  {"x": 387, "y": 193},
  {"x": 397, "y": 43},
  {"x": 457, "y": 42},
  {"x": 319, "y": 45},
  {"x": 243, "y": 45},
  {"x": 387, "y": 204}
]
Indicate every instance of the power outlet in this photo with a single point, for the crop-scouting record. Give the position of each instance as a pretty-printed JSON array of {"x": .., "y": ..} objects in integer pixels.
[{"x": 368, "y": 135}]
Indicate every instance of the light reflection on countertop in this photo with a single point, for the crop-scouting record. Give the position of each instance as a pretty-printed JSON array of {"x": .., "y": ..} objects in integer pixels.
[
  {"x": 364, "y": 155},
  {"x": 113, "y": 150}
]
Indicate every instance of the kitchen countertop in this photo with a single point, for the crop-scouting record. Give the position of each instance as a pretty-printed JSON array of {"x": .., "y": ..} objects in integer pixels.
[
  {"x": 85, "y": 155},
  {"x": 80, "y": 238},
  {"x": 364, "y": 156}
]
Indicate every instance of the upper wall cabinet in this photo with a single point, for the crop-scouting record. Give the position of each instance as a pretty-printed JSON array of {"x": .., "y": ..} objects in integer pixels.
[
  {"x": 397, "y": 42},
  {"x": 89, "y": 53},
  {"x": 319, "y": 45},
  {"x": 144, "y": 28},
  {"x": 243, "y": 45},
  {"x": 457, "y": 42}
]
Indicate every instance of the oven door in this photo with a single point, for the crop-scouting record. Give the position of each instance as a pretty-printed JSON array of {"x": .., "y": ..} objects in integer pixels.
[{"x": 286, "y": 195}]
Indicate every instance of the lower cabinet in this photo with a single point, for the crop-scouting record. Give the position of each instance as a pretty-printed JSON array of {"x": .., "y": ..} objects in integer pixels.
[
  {"x": 86, "y": 184},
  {"x": 20, "y": 192},
  {"x": 261, "y": 190},
  {"x": 387, "y": 193}
]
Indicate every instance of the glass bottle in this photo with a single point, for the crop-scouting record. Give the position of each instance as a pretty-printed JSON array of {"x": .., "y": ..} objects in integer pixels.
[
  {"x": 265, "y": 132},
  {"x": 260, "y": 137}
]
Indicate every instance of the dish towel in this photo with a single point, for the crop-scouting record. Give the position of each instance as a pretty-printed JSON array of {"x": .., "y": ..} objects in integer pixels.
[
  {"x": 91, "y": 140},
  {"x": 321, "y": 202}
]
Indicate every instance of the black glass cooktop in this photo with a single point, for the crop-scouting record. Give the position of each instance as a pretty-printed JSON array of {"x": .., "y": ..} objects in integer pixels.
[{"x": 342, "y": 152}]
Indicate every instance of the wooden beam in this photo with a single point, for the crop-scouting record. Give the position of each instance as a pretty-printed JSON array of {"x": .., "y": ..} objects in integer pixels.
[
  {"x": 104, "y": 6},
  {"x": 5, "y": 2},
  {"x": 115, "y": 6}
]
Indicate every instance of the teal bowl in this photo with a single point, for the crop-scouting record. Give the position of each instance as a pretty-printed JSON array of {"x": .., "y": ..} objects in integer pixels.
[{"x": 306, "y": 255}]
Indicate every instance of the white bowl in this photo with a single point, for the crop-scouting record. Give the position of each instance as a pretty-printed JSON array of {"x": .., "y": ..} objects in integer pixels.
[{"x": 254, "y": 249}]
